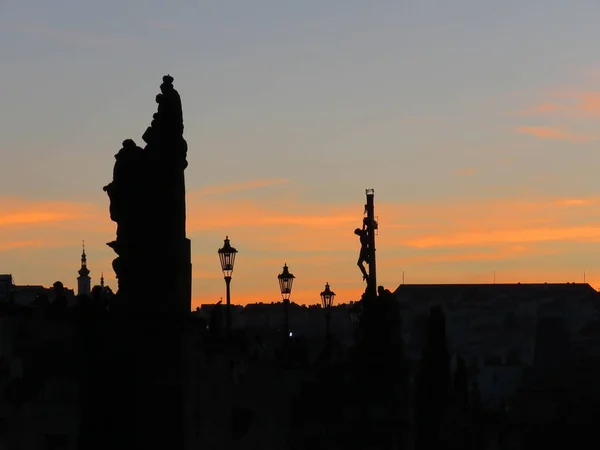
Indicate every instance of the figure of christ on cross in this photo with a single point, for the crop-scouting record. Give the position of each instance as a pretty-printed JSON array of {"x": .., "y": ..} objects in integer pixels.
[{"x": 363, "y": 257}]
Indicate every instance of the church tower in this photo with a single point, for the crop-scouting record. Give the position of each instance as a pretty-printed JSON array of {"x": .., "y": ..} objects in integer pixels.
[{"x": 84, "y": 281}]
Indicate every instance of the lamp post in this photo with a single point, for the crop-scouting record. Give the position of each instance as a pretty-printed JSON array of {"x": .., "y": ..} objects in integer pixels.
[
  {"x": 286, "y": 280},
  {"x": 227, "y": 258},
  {"x": 327, "y": 297}
]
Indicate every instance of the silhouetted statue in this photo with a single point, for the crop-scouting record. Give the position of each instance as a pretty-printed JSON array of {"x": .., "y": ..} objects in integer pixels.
[
  {"x": 363, "y": 257},
  {"x": 123, "y": 187},
  {"x": 147, "y": 200},
  {"x": 382, "y": 292},
  {"x": 153, "y": 269}
]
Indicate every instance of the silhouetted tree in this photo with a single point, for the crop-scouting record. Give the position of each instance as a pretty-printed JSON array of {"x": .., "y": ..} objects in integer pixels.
[{"x": 433, "y": 383}]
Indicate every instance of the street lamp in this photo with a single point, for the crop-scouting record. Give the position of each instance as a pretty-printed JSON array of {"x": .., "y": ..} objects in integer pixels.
[
  {"x": 227, "y": 257},
  {"x": 327, "y": 297},
  {"x": 286, "y": 280}
]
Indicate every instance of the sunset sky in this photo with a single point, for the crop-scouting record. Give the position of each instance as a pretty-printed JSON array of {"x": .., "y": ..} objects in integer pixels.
[{"x": 476, "y": 122}]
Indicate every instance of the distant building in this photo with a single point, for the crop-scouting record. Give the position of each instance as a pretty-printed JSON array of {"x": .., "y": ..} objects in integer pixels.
[
  {"x": 267, "y": 320},
  {"x": 6, "y": 283},
  {"x": 28, "y": 295},
  {"x": 84, "y": 282},
  {"x": 503, "y": 330}
]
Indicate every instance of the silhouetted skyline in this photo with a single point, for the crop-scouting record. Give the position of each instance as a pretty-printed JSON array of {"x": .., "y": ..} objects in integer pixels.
[{"x": 477, "y": 124}]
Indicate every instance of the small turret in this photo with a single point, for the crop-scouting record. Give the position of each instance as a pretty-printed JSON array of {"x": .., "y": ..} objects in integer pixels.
[{"x": 84, "y": 282}]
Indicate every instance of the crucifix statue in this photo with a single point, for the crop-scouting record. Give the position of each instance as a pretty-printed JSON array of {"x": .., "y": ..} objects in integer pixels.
[
  {"x": 363, "y": 256},
  {"x": 366, "y": 235}
]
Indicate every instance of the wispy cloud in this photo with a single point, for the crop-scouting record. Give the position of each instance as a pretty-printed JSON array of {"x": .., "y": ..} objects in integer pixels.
[
  {"x": 537, "y": 234},
  {"x": 552, "y": 133},
  {"x": 500, "y": 253},
  {"x": 21, "y": 212},
  {"x": 567, "y": 103},
  {"x": 443, "y": 240},
  {"x": 238, "y": 187},
  {"x": 540, "y": 109},
  {"x": 304, "y": 226},
  {"x": 466, "y": 171},
  {"x": 4, "y": 246},
  {"x": 576, "y": 202}
]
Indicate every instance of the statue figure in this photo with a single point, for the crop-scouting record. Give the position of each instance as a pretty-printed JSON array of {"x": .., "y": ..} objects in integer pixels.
[
  {"x": 147, "y": 201},
  {"x": 363, "y": 257},
  {"x": 382, "y": 292},
  {"x": 125, "y": 165},
  {"x": 169, "y": 105}
]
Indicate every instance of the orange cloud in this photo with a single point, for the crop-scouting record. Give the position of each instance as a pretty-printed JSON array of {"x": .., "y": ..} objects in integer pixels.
[
  {"x": 508, "y": 236},
  {"x": 552, "y": 133},
  {"x": 17, "y": 212},
  {"x": 18, "y": 244},
  {"x": 541, "y": 109},
  {"x": 501, "y": 253},
  {"x": 411, "y": 235},
  {"x": 576, "y": 202},
  {"x": 237, "y": 187},
  {"x": 589, "y": 104},
  {"x": 435, "y": 241},
  {"x": 568, "y": 104}
]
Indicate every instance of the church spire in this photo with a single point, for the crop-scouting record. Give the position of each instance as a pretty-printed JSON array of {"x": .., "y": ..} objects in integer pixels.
[
  {"x": 84, "y": 281},
  {"x": 84, "y": 272},
  {"x": 102, "y": 280}
]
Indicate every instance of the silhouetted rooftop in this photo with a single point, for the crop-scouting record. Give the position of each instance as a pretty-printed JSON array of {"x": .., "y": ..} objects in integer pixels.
[{"x": 498, "y": 288}]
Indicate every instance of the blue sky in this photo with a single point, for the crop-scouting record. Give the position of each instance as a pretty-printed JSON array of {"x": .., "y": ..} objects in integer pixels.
[{"x": 300, "y": 106}]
